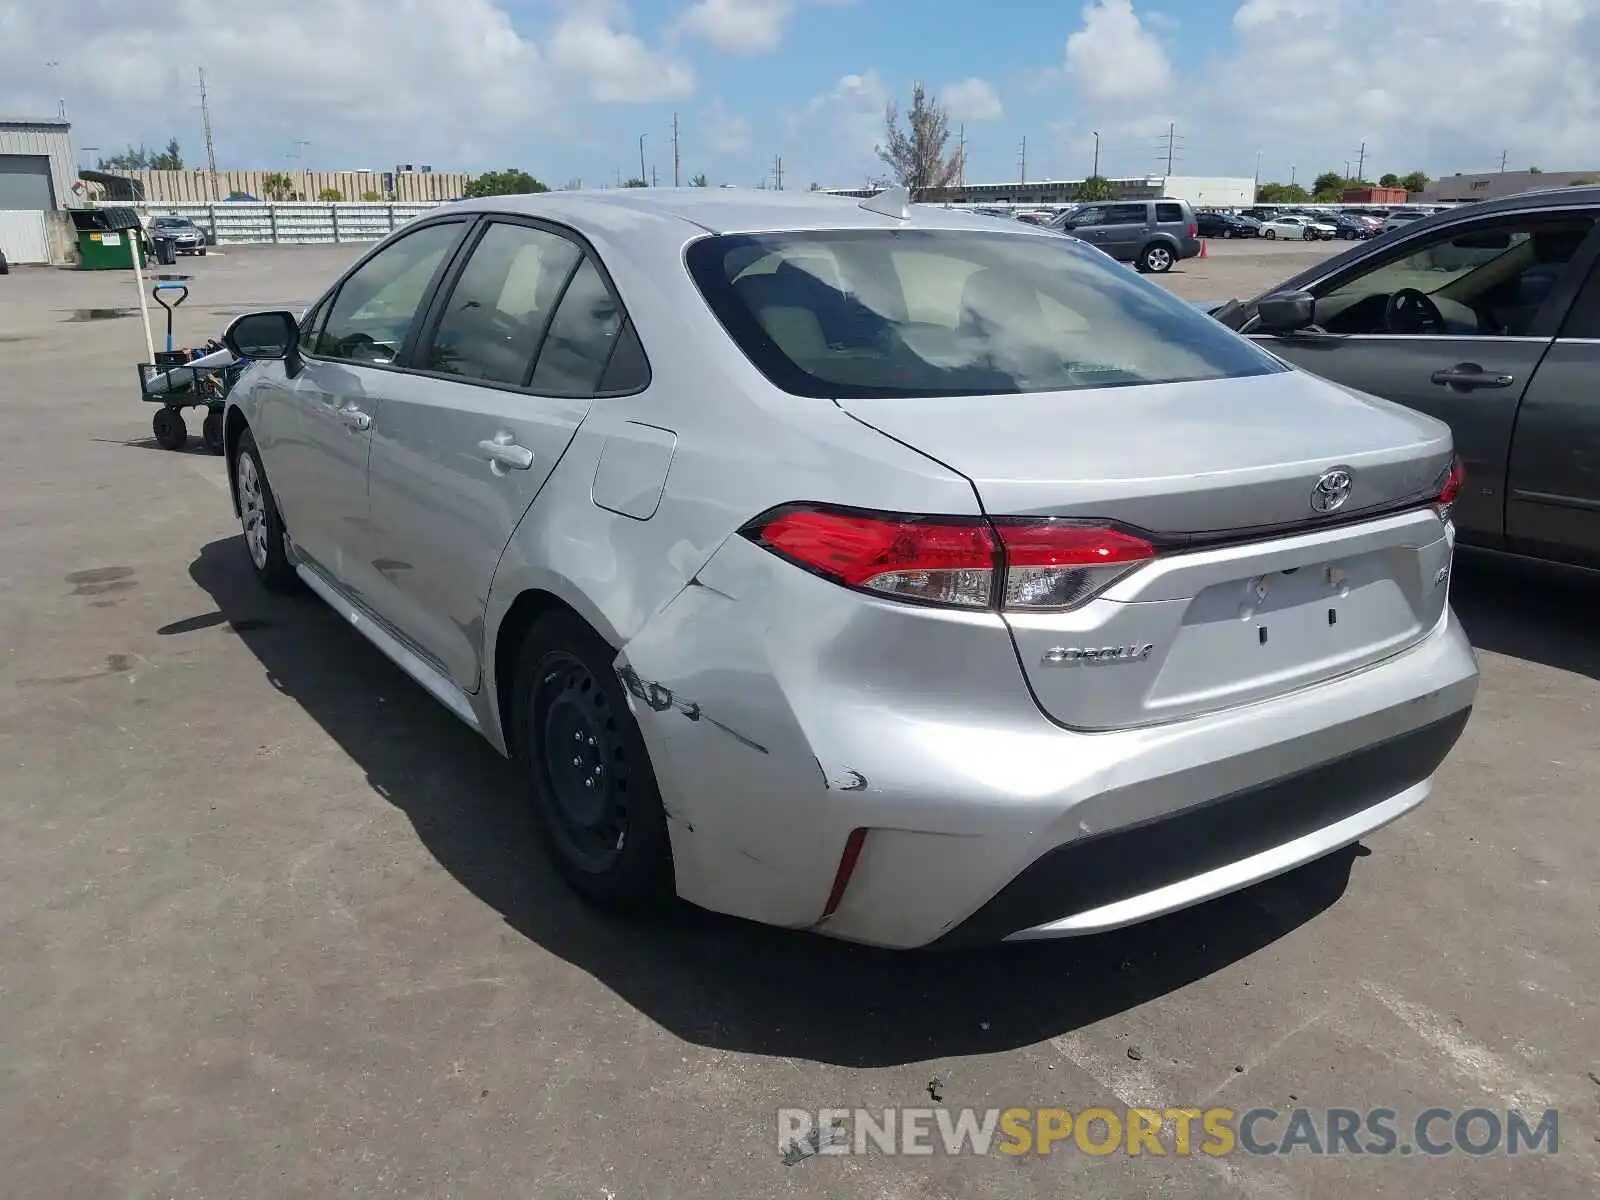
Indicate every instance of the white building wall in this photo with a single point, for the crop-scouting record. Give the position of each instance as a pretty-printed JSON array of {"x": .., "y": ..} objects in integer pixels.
[{"x": 1211, "y": 191}]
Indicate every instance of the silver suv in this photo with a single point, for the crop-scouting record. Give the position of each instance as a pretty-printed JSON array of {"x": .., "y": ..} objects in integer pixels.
[{"x": 1151, "y": 234}]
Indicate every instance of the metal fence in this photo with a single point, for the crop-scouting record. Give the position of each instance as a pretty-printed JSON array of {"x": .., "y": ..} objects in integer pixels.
[{"x": 243, "y": 223}]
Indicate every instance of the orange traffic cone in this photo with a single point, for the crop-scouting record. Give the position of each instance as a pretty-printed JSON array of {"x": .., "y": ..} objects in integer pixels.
[{"x": 1202, "y": 248}]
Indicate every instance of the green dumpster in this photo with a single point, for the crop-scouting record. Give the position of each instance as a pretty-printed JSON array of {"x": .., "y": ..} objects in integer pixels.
[{"x": 108, "y": 238}]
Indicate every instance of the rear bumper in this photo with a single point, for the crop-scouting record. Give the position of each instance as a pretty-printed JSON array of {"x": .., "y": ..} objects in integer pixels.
[{"x": 782, "y": 713}]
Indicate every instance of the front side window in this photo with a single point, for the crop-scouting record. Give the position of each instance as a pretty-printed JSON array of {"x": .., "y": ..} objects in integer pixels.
[
  {"x": 1488, "y": 278},
  {"x": 377, "y": 305},
  {"x": 495, "y": 317},
  {"x": 861, "y": 313}
]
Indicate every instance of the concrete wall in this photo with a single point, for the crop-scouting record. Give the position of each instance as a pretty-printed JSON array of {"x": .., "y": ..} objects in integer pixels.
[
  {"x": 244, "y": 223},
  {"x": 50, "y": 138},
  {"x": 200, "y": 187}
]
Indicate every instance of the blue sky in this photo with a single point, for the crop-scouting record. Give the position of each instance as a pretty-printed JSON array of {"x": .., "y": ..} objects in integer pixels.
[{"x": 564, "y": 88}]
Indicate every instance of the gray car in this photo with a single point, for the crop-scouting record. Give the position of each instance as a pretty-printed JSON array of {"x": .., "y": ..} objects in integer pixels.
[
  {"x": 1487, "y": 317},
  {"x": 1150, "y": 234},
  {"x": 870, "y": 569},
  {"x": 187, "y": 237}
]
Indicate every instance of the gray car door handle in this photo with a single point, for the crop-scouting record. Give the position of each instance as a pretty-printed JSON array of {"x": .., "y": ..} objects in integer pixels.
[
  {"x": 1469, "y": 375},
  {"x": 354, "y": 417},
  {"x": 504, "y": 453}
]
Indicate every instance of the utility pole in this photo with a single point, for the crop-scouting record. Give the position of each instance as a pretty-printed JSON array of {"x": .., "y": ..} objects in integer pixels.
[
  {"x": 643, "y": 178},
  {"x": 1022, "y": 160},
  {"x": 300, "y": 145},
  {"x": 961, "y": 152},
  {"x": 777, "y": 172},
  {"x": 1361, "y": 160},
  {"x": 205, "y": 120},
  {"x": 1504, "y": 154},
  {"x": 653, "y": 182},
  {"x": 676, "y": 182},
  {"x": 1291, "y": 176},
  {"x": 1096, "y": 172},
  {"x": 1258, "y": 170},
  {"x": 1172, "y": 129}
]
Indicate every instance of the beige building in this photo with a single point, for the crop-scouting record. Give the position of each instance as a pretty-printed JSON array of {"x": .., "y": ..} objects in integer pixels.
[{"x": 1489, "y": 185}]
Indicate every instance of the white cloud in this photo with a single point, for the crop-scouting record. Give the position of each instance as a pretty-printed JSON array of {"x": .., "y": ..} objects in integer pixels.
[
  {"x": 971, "y": 100},
  {"x": 724, "y": 132},
  {"x": 374, "y": 81},
  {"x": 739, "y": 26},
  {"x": 1113, "y": 57},
  {"x": 838, "y": 131}
]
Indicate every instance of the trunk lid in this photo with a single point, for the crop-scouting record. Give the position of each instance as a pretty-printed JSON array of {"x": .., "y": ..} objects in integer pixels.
[{"x": 1255, "y": 592}]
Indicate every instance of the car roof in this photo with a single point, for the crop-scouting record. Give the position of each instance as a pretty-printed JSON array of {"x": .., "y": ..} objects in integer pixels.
[{"x": 723, "y": 210}]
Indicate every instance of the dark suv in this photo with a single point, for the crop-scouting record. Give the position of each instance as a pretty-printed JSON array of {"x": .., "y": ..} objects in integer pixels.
[{"x": 1151, "y": 234}]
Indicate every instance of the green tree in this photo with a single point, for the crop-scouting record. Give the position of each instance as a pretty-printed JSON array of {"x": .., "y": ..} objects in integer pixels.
[
  {"x": 699, "y": 180},
  {"x": 1417, "y": 181},
  {"x": 1097, "y": 187},
  {"x": 634, "y": 182},
  {"x": 510, "y": 182},
  {"x": 1580, "y": 181},
  {"x": 170, "y": 159},
  {"x": 372, "y": 197},
  {"x": 1535, "y": 170},
  {"x": 1389, "y": 179},
  {"x": 330, "y": 196},
  {"x": 915, "y": 155},
  {"x": 815, "y": 187},
  {"x": 1328, "y": 181},
  {"x": 277, "y": 185},
  {"x": 1281, "y": 193}
]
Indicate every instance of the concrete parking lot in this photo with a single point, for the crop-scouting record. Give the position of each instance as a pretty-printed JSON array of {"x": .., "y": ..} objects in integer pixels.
[{"x": 272, "y": 923}]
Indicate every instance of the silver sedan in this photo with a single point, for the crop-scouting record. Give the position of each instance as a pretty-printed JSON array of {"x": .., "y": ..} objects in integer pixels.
[{"x": 865, "y": 568}]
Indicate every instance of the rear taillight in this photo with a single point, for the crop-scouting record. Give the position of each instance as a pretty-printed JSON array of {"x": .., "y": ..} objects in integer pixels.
[
  {"x": 961, "y": 562},
  {"x": 1194, "y": 229},
  {"x": 1450, "y": 484}
]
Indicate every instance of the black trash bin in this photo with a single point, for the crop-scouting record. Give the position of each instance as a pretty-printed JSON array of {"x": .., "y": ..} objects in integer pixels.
[{"x": 166, "y": 251}]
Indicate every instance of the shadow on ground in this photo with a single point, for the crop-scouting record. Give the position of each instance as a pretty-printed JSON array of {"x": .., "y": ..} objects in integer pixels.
[
  {"x": 713, "y": 980},
  {"x": 1528, "y": 613}
]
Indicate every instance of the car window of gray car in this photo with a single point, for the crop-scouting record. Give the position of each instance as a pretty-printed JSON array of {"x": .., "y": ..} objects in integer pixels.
[
  {"x": 1583, "y": 320},
  {"x": 1170, "y": 214},
  {"x": 942, "y": 312},
  {"x": 585, "y": 329},
  {"x": 492, "y": 322},
  {"x": 378, "y": 303},
  {"x": 1489, "y": 277},
  {"x": 1127, "y": 214},
  {"x": 1089, "y": 216}
]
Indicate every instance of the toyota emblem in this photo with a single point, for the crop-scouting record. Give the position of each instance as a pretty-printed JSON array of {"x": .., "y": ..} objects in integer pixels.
[{"x": 1332, "y": 490}]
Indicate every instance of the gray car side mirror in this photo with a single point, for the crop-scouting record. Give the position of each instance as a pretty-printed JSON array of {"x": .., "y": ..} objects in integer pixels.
[{"x": 1286, "y": 312}]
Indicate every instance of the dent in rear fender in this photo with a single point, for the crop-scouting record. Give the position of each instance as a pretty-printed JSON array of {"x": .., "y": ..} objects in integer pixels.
[{"x": 744, "y": 794}]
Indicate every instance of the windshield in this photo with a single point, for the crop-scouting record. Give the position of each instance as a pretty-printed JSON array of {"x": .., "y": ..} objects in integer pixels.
[{"x": 861, "y": 313}]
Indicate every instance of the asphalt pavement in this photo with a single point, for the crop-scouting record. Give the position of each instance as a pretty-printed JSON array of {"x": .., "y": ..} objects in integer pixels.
[{"x": 273, "y": 923}]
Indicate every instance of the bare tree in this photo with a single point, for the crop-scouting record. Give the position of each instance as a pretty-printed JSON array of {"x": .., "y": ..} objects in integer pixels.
[{"x": 915, "y": 155}]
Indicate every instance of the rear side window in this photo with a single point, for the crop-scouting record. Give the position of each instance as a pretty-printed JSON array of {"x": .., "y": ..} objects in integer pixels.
[
  {"x": 1170, "y": 214},
  {"x": 859, "y": 313},
  {"x": 1127, "y": 214},
  {"x": 582, "y": 335}
]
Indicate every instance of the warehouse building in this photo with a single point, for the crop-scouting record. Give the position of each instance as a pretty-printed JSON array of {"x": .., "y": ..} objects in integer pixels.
[
  {"x": 37, "y": 178},
  {"x": 1491, "y": 185}
]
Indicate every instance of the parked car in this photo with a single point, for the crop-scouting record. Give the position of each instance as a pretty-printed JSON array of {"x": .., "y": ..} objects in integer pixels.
[
  {"x": 1487, "y": 317},
  {"x": 1348, "y": 228},
  {"x": 1293, "y": 227},
  {"x": 1403, "y": 216},
  {"x": 871, "y": 569},
  {"x": 190, "y": 238},
  {"x": 1151, "y": 234},
  {"x": 1226, "y": 225}
]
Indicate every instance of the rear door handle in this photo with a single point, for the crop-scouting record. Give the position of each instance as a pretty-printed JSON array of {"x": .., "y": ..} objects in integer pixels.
[
  {"x": 354, "y": 417},
  {"x": 504, "y": 454},
  {"x": 1470, "y": 375}
]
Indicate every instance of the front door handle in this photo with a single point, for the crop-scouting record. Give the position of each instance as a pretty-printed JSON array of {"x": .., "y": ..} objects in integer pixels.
[
  {"x": 504, "y": 454},
  {"x": 1470, "y": 375},
  {"x": 355, "y": 418}
]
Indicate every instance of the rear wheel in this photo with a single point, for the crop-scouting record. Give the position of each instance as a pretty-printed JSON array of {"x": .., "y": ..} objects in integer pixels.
[
  {"x": 1156, "y": 258},
  {"x": 594, "y": 792}
]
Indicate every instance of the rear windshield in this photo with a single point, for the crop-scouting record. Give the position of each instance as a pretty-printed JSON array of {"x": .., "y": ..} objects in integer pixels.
[{"x": 861, "y": 313}]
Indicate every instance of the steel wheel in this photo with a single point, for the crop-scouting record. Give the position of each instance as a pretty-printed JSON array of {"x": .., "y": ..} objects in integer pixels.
[
  {"x": 584, "y": 760},
  {"x": 253, "y": 512}
]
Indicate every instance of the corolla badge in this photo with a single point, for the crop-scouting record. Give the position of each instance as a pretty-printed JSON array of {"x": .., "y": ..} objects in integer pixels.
[
  {"x": 1077, "y": 656},
  {"x": 1332, "y": 490}
]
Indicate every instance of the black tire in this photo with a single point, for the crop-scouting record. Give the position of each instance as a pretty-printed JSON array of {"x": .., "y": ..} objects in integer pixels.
[
  {"x": 266, "y": 553},
  {"x": 211, "y": 432},
  {"x": 5, "y": 267},
  {"x": 1270, "y": 234},
  {"x": 201, "y": 252},
  {"x": 171, "y": 433},
  {"x": 1157, "y": 258},
  {"x": 593, "y": 790}
]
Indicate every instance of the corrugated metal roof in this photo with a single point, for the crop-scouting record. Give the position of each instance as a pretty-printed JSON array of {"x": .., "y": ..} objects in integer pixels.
[{"x": 53, "y": 122}]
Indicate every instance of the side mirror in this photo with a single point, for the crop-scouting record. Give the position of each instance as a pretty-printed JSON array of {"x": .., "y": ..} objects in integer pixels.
[
  {"x": 263, "y": 335},
  {"x": 1286, "y": 312}
]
